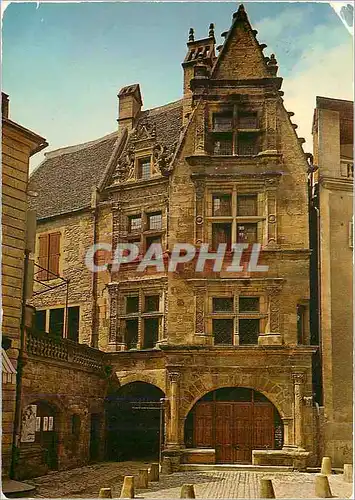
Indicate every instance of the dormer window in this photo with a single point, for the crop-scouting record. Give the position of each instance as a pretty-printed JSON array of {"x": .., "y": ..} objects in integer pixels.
[{"x": 143, "y": 171}]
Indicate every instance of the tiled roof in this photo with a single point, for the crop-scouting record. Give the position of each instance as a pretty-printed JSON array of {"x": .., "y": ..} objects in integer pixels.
[{"x": 65, "y": 179}]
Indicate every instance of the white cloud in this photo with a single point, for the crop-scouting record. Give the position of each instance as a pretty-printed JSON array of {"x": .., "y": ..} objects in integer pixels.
[{"x": 329, "y": 74}]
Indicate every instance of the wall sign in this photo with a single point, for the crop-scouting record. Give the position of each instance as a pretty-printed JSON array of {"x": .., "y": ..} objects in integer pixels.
[{"x": 28, "y": 427}]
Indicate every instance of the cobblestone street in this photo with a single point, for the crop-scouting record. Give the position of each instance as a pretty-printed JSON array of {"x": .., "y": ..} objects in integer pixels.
[{"x": 85, "y": 482}]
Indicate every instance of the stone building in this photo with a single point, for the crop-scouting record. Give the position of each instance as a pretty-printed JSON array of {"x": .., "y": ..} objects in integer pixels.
[
  {"x": 226, "y": 354},
  {"x": 332, "y": 244},
  {"x": 18, "y": 145}
]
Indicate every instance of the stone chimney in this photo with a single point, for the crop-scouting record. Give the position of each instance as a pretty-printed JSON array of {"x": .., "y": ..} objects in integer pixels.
[
  {"x": 201, "y": 52},
  {"x": 4, "y": 105},
  {"x": 129, "y": 106}
]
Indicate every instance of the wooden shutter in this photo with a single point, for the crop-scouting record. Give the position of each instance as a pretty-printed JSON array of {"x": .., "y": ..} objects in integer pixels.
[
  {"x": 43, "y": 256},
  {"x": 54, "y": 254}
]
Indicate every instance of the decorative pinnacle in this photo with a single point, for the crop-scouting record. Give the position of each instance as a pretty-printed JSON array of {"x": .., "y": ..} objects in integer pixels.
[
  {"x": 191, "y": 35},
  {"x": 211, "y": 30}
]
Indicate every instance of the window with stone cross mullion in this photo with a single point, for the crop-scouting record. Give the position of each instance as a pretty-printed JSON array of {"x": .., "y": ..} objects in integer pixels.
[{"x": 142, "y": 318}]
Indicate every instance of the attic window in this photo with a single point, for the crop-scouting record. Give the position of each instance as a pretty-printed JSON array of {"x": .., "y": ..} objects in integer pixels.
[
  {"x": 144, "y": 168},
  {"x": 248, "y": 121}
]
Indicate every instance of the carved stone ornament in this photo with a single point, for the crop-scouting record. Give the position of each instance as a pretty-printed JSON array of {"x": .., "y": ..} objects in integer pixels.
[
  {"x": 163, "y": 158},
  {"x": 199, "y": 219},
  {"x": 144, "y": 130},
  {"x": 125, "y": 166},
  {"x": 174, "y": 377},
  {"x": 298, "y": 378}
]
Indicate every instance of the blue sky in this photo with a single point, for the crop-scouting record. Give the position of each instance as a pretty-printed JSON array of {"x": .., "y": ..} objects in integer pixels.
[{"x": 64, "y": 63}]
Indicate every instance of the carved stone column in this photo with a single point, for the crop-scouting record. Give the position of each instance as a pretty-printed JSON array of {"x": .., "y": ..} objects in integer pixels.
[
  {"x": 174, "y": 378},
  {"x": 298, "y": 381}
]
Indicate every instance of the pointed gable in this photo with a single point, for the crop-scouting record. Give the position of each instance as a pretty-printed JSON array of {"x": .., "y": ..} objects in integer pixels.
[{"x": 241, "y": 56}]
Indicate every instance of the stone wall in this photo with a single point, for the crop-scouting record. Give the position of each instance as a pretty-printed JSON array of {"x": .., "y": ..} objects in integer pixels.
[
  {"x": 76, "y": 237},
  {"x": 70, "y": 389}
]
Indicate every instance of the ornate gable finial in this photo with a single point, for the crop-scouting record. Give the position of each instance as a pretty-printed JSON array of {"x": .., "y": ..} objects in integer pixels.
[
  {"x": 272, "y": 65},
  {"x": 211, "y": 30},
  {"x": 240, "y": 14},
  {"x": 191, "y": 35}
]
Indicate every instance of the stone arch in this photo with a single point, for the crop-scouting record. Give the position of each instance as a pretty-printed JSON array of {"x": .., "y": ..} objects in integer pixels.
[
  {"x": 148, "y": 378},
  {"x": 133, "y": 412},
  {"x": 197, "y": 388}
]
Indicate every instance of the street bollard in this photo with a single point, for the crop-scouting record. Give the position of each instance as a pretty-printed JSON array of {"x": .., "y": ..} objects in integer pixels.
[
  {"x": 322, "y": 488},
  {"x": 187, "y": 491},
  {"x": 142, "y": 479},
  {"x": 166, "y": 466},
  {"x": 127, "y": 487},
  {"x": 153, "y": 474},
  {"x": 266, "y": 489},
  {"x": 105, "y": 493},
  {"x": 326, "y": 466},
  {"x": 348, "y": 473}
]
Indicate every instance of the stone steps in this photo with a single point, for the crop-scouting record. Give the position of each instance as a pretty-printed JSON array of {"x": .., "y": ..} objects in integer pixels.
[{"x": 234, "y": 467}]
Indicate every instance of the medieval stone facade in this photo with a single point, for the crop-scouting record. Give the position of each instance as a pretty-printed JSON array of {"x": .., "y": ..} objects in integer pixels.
[{"x": 229, "y": 352}]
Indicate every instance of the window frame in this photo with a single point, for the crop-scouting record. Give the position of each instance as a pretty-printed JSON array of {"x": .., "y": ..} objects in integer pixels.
[
  {"x": 236, "y": 131},
  {"x": 141, "y": 315},
  {"x": 140, "y": 162},
  {"x": 262, "y": 315},
  {"x": 234, "y": 219}
]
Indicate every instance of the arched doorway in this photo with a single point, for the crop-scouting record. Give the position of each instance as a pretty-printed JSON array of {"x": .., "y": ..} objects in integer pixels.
[
  {"x": 134, "y": 422},
  {"x": 234, "y": 421}
]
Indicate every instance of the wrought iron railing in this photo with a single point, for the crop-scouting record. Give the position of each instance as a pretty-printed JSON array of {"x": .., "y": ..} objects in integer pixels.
[{"x": 43, "y": 345}]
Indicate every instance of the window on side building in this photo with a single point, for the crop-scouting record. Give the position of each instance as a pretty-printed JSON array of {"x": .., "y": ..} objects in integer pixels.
[
  {"x": 73, "y": 323},
  {"x": 56, "y": 322}
]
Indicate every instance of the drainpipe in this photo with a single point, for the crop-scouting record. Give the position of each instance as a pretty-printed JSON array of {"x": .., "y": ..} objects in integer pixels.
[
  {"x": 319, "y": 299},
  {"x": 94, "y": 325},
  {"x": 20, "y": 365}
]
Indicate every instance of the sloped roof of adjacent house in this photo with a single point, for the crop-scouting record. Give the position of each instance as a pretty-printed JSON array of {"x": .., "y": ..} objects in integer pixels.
[{"x": 65, "y": 179}]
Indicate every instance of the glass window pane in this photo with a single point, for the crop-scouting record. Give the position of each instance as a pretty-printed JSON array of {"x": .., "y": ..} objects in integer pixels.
[
  {"x": 248, "y": 120},
  {"x": 144, "y": 168},
  {"x": 247, "y": 144},
  {"x": 247, "y": 205},
  {"x": 131, "y": 333},
  {"x": 248, "y": 331},
  {"x": 73, "y": 323},
  {"x": 40, "y": 321},
  {"x": 132, "y": 304},
  {"x": 247, "y": 233},
  {"x": 135, "y": 223},
  {"x": 56, "y": 322},
  {"x": 151, "y": 332},
  {"x": 155, "y": 221},
  {"x": 222, "y": 122},
  {"x": 223, "y": 146},
  {"x": 224, "y": 304},
  {"x": 151, "y": 303},
  {"x": 223, "y": 331},
  {"x": 249, "y": 304},
  {"x": 221, "y": 233},
  {"x": 221, "y": 204}
]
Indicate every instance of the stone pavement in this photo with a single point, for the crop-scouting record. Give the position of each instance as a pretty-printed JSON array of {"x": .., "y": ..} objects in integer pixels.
[{"x": 85, "y": 482}]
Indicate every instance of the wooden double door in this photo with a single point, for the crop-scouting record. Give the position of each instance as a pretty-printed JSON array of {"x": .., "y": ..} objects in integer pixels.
[{"x": 234, "y": 429}]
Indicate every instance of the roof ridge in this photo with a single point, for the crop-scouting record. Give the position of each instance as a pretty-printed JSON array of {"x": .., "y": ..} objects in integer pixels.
[
  {"x": 164, "y": 107},
  {"x": 78, "y": 147}
]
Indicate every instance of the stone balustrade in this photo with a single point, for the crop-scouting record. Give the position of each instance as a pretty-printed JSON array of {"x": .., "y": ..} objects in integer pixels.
[{"x": 65, "y": 350}]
